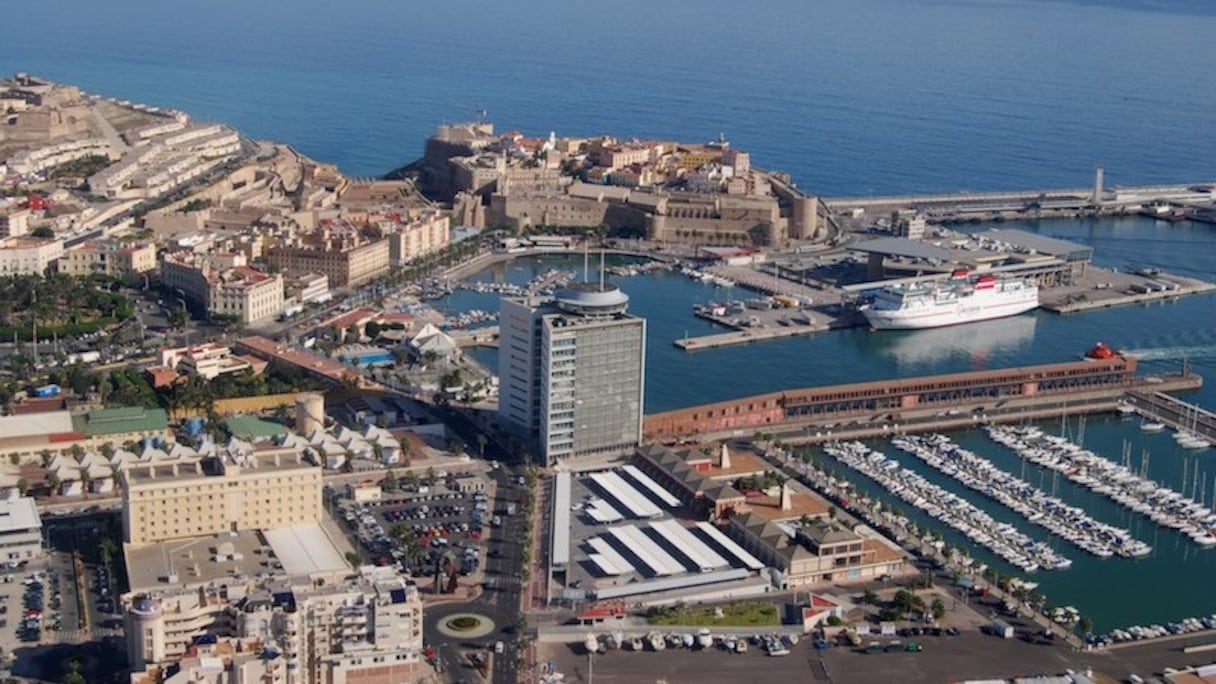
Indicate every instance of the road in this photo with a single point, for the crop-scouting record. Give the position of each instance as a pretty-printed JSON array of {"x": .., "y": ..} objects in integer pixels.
[{"x": 504, "y": 559}]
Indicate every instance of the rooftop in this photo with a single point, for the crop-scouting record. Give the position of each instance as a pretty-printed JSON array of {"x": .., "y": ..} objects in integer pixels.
[
  {"x": 1033, "y": 241},
  {"x": 178, "y": 563},
  {"x": 50, "y": 423},
  {"x": 19, "y": 514},
  {"x": 305, "y": 550},
  {"x": 898, "y": 246},
  {"x": 769, "y": 507},
  {"x": 252, "y": 427},
  {"x": 119, "y": 420}
]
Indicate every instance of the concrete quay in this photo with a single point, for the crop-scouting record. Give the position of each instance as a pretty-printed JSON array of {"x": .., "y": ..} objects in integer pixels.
[
  {"x": 1064, "y": 302},
  {"x": 1154, "y": 404},
  {"x": 1025, "y": 203}
]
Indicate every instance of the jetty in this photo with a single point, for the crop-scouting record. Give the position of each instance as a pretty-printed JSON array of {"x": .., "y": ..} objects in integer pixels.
[{"x": 1174, "y": 412}]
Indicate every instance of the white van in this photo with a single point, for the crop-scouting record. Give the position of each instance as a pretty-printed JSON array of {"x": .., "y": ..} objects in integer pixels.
[{"x": 498, "y": 647}]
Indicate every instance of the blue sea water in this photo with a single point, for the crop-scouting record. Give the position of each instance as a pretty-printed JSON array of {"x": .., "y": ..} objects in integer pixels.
[{"x": 850, "y": 96}]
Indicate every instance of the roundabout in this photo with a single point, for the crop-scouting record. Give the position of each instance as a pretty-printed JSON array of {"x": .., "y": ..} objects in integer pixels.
[{"x": 465, "y": 626}]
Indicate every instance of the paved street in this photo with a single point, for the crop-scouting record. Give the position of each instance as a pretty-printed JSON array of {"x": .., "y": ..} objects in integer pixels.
[{"x": 500, "y": 598}]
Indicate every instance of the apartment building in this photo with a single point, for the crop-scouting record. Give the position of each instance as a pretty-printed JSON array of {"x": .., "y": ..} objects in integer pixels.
[
  {"x": 208, "y": 360},
  {"x": 339, "y": 251},
  {"x": 360, "y": 627},
  {"x": 426, "y": 233},
  {"x": 47, "y": 157},
  {"x": 109, "y": 257},
  {"x": 572, "y": 369},
  {"x": 246, "y": 294},
  {"x": 224, "y": 284},
  {"x": 28, "y": 255},
  {"x": 266, "y": 487}
]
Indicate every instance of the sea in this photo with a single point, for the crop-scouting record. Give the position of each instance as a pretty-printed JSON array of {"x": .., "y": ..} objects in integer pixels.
[{"x": 851, "y": 97}]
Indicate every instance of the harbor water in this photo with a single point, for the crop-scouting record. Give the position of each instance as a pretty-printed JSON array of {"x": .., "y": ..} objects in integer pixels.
[
  {"x": 1114, "y": 592},
  {"x": 852, "y": 97}
]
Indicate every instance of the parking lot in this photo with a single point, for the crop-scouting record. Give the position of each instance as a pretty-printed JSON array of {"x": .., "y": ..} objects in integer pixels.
[{"x": 423, "y": 531}]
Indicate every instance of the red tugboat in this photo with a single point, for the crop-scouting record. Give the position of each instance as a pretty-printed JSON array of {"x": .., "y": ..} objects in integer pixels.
[{"x": 1100, "y": 352}]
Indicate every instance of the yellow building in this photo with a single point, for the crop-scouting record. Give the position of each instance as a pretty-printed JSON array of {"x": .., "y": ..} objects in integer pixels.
[
  {"x": 341, "y": 253},
  {"x": 109, "y": 257},
  {"x": 268, "y": 487},
  {"x": 424, "y": 234}
]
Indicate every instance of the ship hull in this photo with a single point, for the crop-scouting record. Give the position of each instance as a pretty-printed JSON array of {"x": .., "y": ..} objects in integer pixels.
[{"x": 919, "y": 320}]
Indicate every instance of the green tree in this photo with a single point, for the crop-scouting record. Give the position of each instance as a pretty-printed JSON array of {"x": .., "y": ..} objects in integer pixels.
[
  {"x": 390, "y": 481},
  {"x": 107, "y": 548},
  {"x": 354, "y": 559},
  {"x": 52, "y": 483},
  {"x": 938, "y": 609},
  {"x": 481, "y": 444},
  {"x": 1085, "y": 624},
  {"x": 431, "y": 477},
  {"x": 904, "y": 600},
  {"x": 23, "y": 486},
  {"x": 870, "y": 597},
  {"x": 410, "y": 479}
]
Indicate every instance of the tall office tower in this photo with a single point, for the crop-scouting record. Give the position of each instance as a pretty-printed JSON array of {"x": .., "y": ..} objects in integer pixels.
[{"x": 571, "y": 370}]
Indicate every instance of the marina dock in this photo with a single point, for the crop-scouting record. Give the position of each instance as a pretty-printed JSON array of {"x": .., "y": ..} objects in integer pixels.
[
  {"x": 746, "y": 335},
  {"x": 1178, "y": 414}
]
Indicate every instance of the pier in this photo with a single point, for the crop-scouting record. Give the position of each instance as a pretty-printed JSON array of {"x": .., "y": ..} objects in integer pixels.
[
  {"x": 1174, "y": 412},
  {"x": 1096, "y": 200}
]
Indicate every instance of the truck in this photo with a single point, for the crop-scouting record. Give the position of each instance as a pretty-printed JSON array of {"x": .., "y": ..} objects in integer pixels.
[{"x": 1001, "y": 629}]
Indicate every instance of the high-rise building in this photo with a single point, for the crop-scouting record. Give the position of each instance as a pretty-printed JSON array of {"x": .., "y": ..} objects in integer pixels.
[{"x": 571, "y": 370}]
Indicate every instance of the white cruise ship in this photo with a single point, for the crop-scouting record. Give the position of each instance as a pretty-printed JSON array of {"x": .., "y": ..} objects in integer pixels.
[{"x": 958, "y": 300}]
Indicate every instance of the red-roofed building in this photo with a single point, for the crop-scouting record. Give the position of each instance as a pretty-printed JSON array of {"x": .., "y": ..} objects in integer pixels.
[
  {"x": 300, "y": 358},
  {"x": 603, "y": 611}
]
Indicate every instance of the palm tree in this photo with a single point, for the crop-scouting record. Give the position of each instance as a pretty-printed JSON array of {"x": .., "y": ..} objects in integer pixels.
[
  {"x": 1085, "y": 624},
  {"x": 52, "y": 483},
  {"x": 481, "y": 444}
]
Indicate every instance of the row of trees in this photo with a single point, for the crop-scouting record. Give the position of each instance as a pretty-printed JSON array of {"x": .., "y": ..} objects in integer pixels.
[{"x": 59, "y": 304}]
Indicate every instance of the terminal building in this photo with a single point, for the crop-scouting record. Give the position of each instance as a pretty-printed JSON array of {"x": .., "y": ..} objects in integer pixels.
[
  {"x": 898, "y": 399},
  {"x": 1047, "y": 260},
  {"x": 571, "y": 371}
]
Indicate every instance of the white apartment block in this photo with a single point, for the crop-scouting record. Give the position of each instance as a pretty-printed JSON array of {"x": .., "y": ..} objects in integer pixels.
[
  {"x": 28, "y": 255},
  {"x": 50, "y": 156},
  {"x": 166, "y": 162},
  {"x": 360, "y": 627},
  {"x": 20, "y": 530}
]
